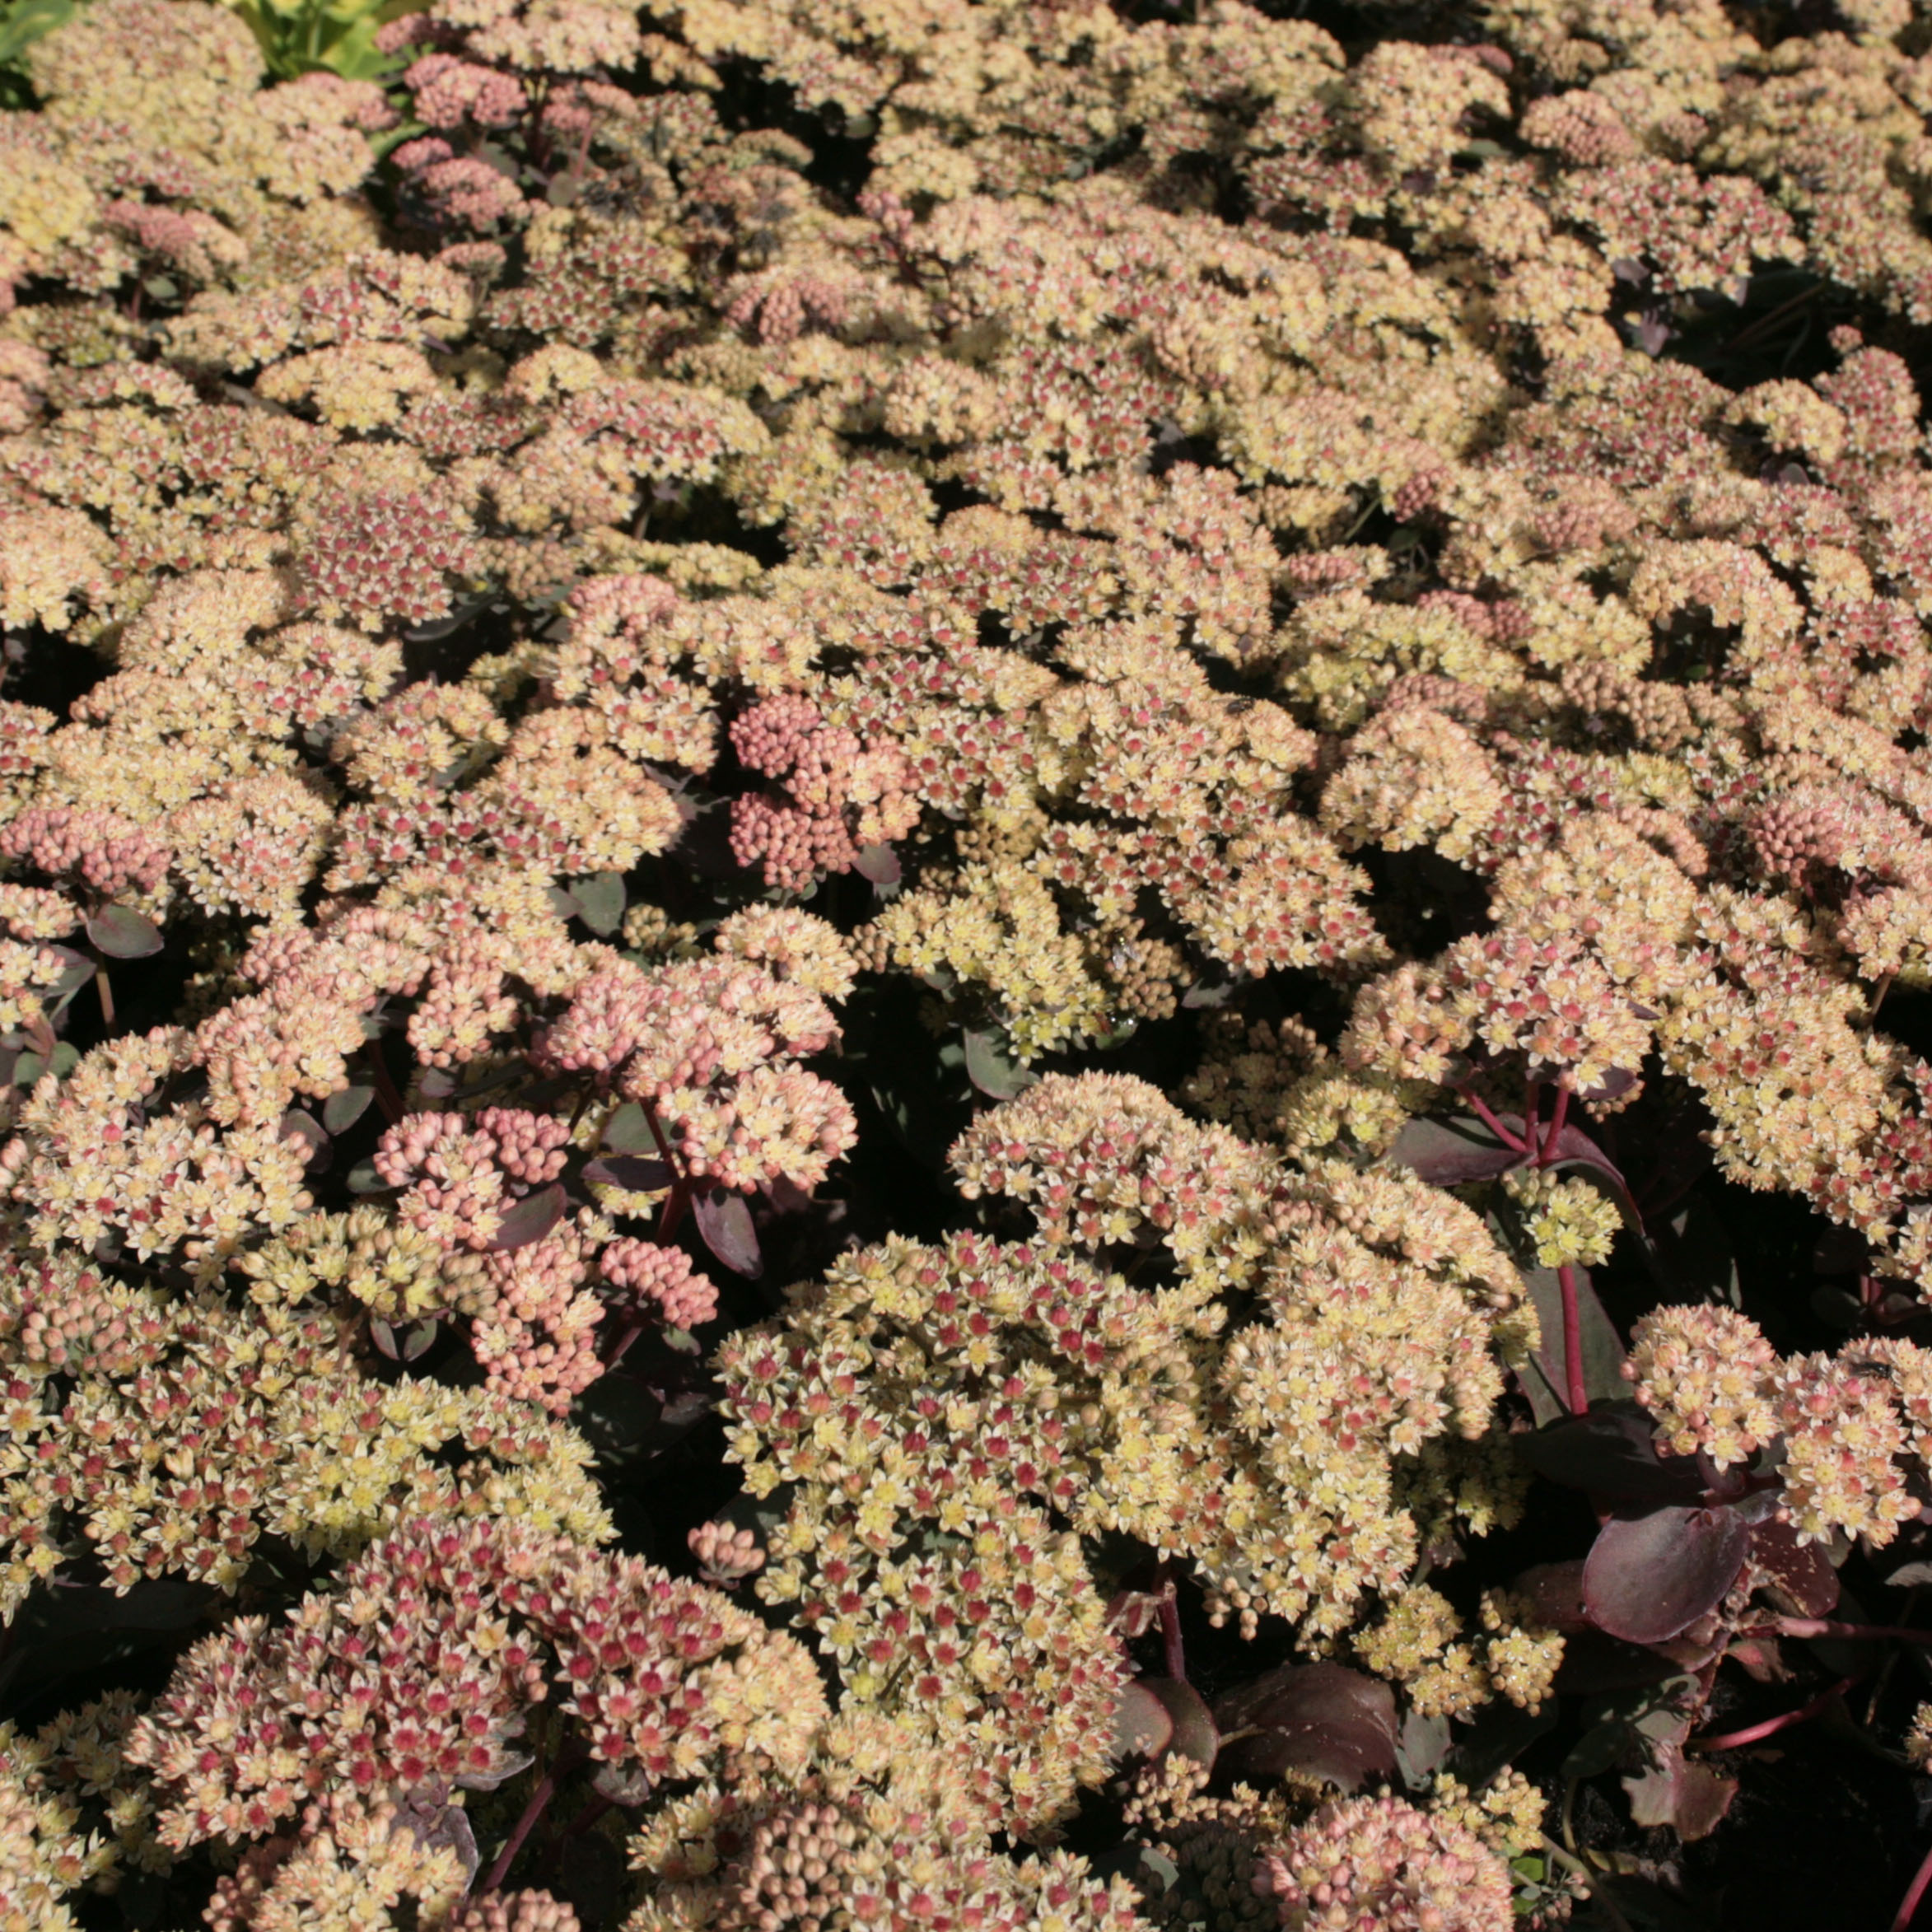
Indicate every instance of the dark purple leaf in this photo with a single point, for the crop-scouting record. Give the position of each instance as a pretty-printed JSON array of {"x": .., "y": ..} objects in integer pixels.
[
  {"x": 1910, "y": 1576},
  {"x": 1543, "y": 1378},
  {"x": 342, "y": 1110},
  {"x": 880, "y": 863},
  {"x": 122, "y": 933},
  {"x": 417, "y": 1340},
  {"x": 632, "y": 1173},
  {"x": 1424, "y": 1743},
  {"x": 1799, "y": 1576},
  {"x": 685, "y": 1412},
  {"x": 438, "y": 1826},
  {"x": 435, "y": 1083},
  {"x": 1593, "y": 1665},
  {"x": 1611, "y": 1453},
  {"x": 1449, "y": 1152},
  {"x": 725, "y": 1222},
  {"x": 1648, "y": 1577},
  {"x": 529, "y": 1220},
  {"x": 1322, "y": 1721},
  {"x": 1194, "y": 1734},
  {"x": 297, "y": 1122},
  {"x": 1616, "y": 1082},
  {"x": 1142, "y": 1725},
  {"x": 1690, "y": 1798},
  {"x": 1498, "y": 1735},
  {"x": 364, "y": 1179},
  {"x": 384, "y": 1338},
  {"x": 991, "y": 1067},
  {"x": 1554, "y": 1593},
  {"x": 785, "y": 1196},
  {"x": 1575, "y": 1148}
]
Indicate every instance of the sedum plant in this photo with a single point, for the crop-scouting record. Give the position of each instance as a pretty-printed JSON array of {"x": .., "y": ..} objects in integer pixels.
[{"x": 962, "y": 968}]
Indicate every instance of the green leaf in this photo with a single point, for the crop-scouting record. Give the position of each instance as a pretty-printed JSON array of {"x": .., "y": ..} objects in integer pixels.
[
  {"x": 28, "y": 1069},
  {"x": 25, "y": 21},
  {"x": 344, "y": 1108},
  {"x": 627, "y": 1132},
  {"x": 600, "y": 901},
  {"x": 991, "y": 1067}
]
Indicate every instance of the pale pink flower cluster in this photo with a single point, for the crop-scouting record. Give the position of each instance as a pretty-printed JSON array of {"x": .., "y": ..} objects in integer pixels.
[
  {"x": 101, "y": 850},
  {"x": 1376, "y": 1864},
  {"x": 645, "y": 1279},
  {"x": 712, "y": 1046},
  {"x": 840, "y": 793}
]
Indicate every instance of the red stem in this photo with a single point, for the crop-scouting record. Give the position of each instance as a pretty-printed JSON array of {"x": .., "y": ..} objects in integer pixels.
[
  {"x": 570, "y": 1754},
  {"x": 680, "y": 1197},
  {"x": 1549, "y": 1151},
  {"x": 1920, "y": 1881},
  {"x": 1170, "y": 1632},
  {"x": 1495, "y": 1125},
  {"x": 387, "y": 1097},
  {"x": 1818, "y": 1627},
  {"x": 1772, "y": 1725},
  {"x": 1532, "y": 1094},
  {"x": 1573, "y": 1391}
]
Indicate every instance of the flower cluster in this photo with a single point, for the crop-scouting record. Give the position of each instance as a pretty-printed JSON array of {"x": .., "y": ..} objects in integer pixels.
[
  {"x": 920, "y": 1395},
  {"x": 1381, "y": 1863}
]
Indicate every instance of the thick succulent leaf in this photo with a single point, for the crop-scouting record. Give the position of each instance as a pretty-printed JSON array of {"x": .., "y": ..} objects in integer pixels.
[
  {"x": 1321, "y": 1720},
  {"x": 1424, "y": 1743},
  {"x": 600, "y": 901},
  {"x": 991, "y": 1067},
  {"x": 296, "y": 1123},
  {"x": 1649, "y": 1576},
  {"x": 1194, "y": 1733},
  {"x": 529, "y": 1220},
  {"x": 1611, "y": 1453},
  {"x": 1449, "y": 1152},
  {"x": 635, "y": 1173},
  {"x": 1800, "y": 1576},
  {"x": 122, "y": 933},
  {"x": 1690, "y": 1798},
  {"x": 1142, "y": 1725},
  {"x": 344, "y": 1108},
  {"x": 628, "y": 1132},
  {"x": 880, "y": 863},
  {"x": 725, "y": 1222},
  {"x": 1554, "y": 1592}
]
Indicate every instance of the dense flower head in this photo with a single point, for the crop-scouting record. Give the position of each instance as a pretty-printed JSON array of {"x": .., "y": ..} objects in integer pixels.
[
  {"x": 478, "y": 1629},
  {"x": 1375, "y": 1864}
]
